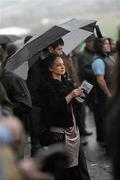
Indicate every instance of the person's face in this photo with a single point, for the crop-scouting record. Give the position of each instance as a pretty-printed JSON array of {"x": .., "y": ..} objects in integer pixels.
[
  {"x": 106, "y": 46},
  {"x": 58, "y": 67},
  {"x": 59, "y": 50},
  {"x": 113, "y": 45},
  {"x": 90, "y": 44}
]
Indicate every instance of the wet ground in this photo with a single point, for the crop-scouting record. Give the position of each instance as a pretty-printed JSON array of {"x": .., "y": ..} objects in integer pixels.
[{"x": 99, "y": 165}]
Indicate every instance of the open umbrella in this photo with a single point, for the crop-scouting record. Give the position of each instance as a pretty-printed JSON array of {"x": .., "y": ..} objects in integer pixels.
[
  {"x": 73, "y": 24},
  {"x": 98, "y": 32},
  {"x": 72, "y": 33},
  {"x": 7, "y": 38},
  {"x": 74, "y": 38}
]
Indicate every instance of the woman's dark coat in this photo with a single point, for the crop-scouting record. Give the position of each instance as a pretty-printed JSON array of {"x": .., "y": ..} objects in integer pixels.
[{"x": 55, "y": 110}]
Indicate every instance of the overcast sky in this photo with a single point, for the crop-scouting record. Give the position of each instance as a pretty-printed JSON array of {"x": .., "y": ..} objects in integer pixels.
[{"x": 34, "y": 14}]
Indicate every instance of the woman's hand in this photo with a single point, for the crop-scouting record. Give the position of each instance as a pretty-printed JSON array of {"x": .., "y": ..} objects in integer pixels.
[{"x": 75, "y": 92}]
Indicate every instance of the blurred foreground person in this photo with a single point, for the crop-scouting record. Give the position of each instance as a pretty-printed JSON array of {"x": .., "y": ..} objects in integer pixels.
[
  {"x": 17, "y": 92},
  {"x": 30, "y": 170},
  {"x": 17, "y": 132},
  {"x": 11, "y": 138},
  {"x": 113, "y": 118},
  {"x": 27, "y": 169},
  {"x": 58, "y": 114},
  {"x": 8, "y": 165}
]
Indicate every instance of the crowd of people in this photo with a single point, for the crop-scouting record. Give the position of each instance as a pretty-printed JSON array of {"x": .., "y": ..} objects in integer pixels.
[{"x": 45, "y": 108}]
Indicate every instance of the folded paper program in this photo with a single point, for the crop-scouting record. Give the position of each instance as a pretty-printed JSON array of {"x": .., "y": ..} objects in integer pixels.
[{"x": 86, "y": 87}]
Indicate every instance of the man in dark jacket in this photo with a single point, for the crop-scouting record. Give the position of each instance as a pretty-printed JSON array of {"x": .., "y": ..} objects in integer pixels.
[
  {"x": 34, "y": 81},
  {"x": 84, "y": 60},
  {"x": 85, "y": 73}
]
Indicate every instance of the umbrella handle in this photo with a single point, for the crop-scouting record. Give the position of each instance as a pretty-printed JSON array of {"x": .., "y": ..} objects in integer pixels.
[{"x": 98, "y": 32}]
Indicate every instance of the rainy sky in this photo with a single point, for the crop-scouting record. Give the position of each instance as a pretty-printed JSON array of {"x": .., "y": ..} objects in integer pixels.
[{"x": 39, "y": 14}]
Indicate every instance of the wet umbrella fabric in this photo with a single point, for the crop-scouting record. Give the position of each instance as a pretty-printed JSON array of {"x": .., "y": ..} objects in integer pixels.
[
  {"x": 74, "y": 38},
  {"x": 84, "y": 24},
  {"x": 35, "y": 45},
  {"x": 79, "y": 30},
  {"x": 7, "y": 38},
  {"x": 69, "y": 31}
]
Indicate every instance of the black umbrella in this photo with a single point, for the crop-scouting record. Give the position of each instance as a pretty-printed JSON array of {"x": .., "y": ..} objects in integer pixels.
[
  {"x": 7, "y": 38},
  {"x": 73, "y": 24},
  {"x": 74, "y": 38},
  {"x": 71, "y": 31},
  {"x": 98, "y": 32},
  {"x": 79, "y": 31}
]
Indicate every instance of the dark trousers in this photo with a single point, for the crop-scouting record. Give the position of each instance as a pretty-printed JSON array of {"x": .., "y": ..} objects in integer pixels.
[
  {"x": 82, "y": 126},
  {"x": 99, "y": 116},
  {"x": 35, "y": 129}
]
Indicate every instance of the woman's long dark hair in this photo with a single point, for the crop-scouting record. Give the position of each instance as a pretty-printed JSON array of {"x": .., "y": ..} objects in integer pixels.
[{"x": 49, "y": 61}]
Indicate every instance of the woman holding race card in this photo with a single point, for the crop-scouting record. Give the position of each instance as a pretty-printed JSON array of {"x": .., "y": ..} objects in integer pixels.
[{"x": 58, "y": 104}]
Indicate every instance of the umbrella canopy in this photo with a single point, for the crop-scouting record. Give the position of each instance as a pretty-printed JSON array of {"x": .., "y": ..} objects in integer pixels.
[
  {"x": 74, "y": 38},
  {"x": 79, "y": 31},
  {"x": 72, "y": 33},
  {"x": 7, "y": 38},
  {"x": 73, "y": 24}
]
